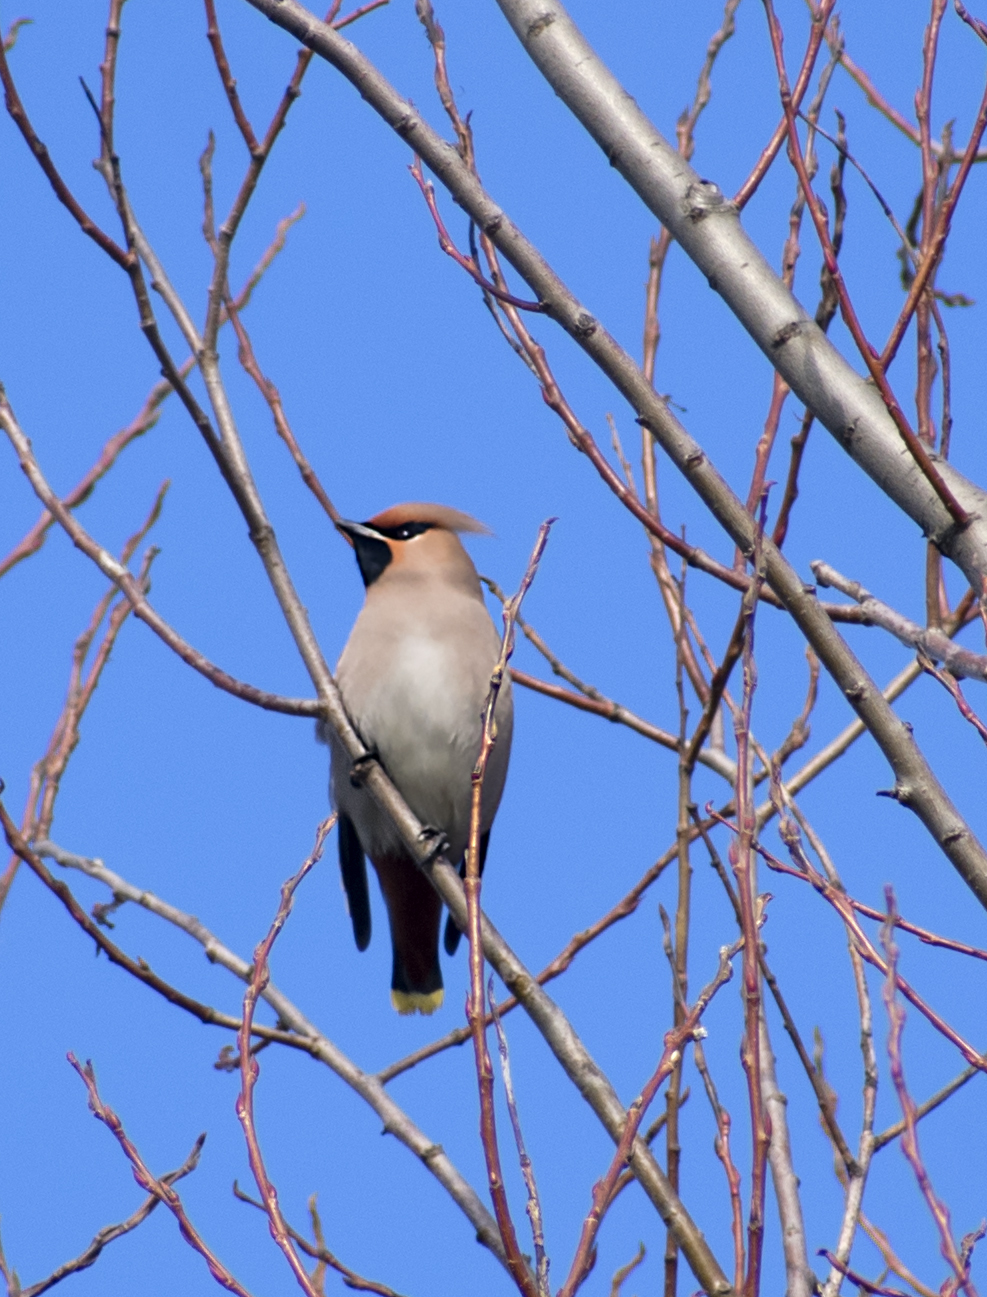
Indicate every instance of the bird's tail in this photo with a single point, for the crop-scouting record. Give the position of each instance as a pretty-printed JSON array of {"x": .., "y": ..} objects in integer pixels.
[
  {"x": 414, "y": 910},
  {"x": 423, "y": 998}
]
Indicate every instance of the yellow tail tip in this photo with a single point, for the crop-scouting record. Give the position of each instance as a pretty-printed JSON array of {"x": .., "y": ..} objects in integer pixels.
[{"x": 416, "y": 1002}]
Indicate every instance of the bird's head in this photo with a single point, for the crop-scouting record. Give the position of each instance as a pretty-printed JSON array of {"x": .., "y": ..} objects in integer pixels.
[{"x": 412, "y": 539}]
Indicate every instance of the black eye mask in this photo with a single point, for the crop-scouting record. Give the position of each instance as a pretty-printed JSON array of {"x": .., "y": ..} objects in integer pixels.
[
  {"x": 405, "y": 531},
  {"x": 374, "y": 555}
]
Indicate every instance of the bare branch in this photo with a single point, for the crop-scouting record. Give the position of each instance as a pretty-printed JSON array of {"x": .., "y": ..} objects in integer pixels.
[
  {"x": 916, "y": 786},
  {"x": 933, "y": 643},
  {"x": 151, "y": 1184},
  {"x": 109, "y": 1233},
  {"x": 527, "y": 1283},
  {"x": 301, "y": 1034},
  {"x": 250, "y": 1069}
]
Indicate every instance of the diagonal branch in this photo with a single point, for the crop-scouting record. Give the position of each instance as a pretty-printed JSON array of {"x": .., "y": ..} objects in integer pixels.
[
  {"x": 707, "y": 227},
  {"x": 300, "y": 1034},
  {"x": 152, "y": 1184},
  {"x": 934, "y": 643},
  {"x": 916, "y": 786},
  {"x": 476, "y": 1015},
  {"x": 109, "y": 1233}
]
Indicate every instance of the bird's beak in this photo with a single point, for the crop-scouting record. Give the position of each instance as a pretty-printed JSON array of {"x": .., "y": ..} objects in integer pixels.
[{"x": 351, "y": 530}]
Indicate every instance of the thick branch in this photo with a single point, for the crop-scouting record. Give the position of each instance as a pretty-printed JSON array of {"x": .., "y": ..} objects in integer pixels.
[
  {"x": 707, "y": 226},
  {"x": 915, "y": 784}
]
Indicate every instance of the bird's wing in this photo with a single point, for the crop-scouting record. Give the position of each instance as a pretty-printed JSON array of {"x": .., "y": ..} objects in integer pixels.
[
  {"x": 353, "y": 866},
  {"x": 452, "y": 933}
]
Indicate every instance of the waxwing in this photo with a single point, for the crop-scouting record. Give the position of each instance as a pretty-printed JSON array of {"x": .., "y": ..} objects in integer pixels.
[{"x": 414, "y": 677}]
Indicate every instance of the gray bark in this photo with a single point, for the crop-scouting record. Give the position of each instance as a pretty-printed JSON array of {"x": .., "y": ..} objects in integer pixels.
[
  {"x": 708, "y": 228},
  {"x": 915, "y": 786}
]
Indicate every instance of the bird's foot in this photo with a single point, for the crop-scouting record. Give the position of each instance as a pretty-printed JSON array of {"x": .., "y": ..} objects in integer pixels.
[
  {"x": 435, "y": 841},
  {"x": 360, "y": 767}
]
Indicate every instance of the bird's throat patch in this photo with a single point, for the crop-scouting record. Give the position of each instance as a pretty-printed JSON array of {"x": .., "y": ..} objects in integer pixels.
[{"x": 372, "y": 555}]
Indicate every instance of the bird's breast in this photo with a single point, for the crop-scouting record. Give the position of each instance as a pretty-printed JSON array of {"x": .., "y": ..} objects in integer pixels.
[{"x": 416, "y": 691}]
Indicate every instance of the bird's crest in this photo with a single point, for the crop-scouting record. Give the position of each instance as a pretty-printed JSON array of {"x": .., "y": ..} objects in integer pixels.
[{"x": 438, "y": 515}]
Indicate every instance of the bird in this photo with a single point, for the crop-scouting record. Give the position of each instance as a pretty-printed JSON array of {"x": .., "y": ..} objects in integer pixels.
[{"x": 414, "y": 677}]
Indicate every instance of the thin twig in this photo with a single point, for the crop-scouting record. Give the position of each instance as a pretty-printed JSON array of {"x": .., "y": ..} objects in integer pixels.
[
  {"x": 930, "y": 641},
  {"x": 299, "y": 1033},
  {"x": 109, "y": 1233},
  {"x": 674, "y": 1042},
  {"x": 875, "y": 365},
  {"x": 821, "y": 15},
  {"x": 320, "y": 1252},
  {"x": 151, "y": 1184},
  {"x": 527, "y": 1170},
  {"x": 476, "y": 1015},
  {"x": 959, "y": 1264},
  {"x": 250, "y": 1069}
]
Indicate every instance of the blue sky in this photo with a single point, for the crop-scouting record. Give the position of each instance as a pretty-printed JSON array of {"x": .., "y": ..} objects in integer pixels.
[{"x": 399, "y": 387}]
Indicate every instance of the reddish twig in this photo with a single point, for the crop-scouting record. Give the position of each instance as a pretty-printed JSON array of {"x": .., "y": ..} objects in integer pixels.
[
  {"x": 825, "y": 311},
  {"x": 837, "y": 898},
  {"x": 887, "y": 109},
  {"x": 9, "y": 39},
  {"x": 260, "y": 151},
  {"x": 250, "y": 1068},
  {"x": 685, "y": 129},
  {"x": 923, "y": 934},
  {"x": 583, "y": 440},
  {"x": 273, "y": 398},
  {"x": 151, "y": 1184},
  {"x": 721, "y": 1147},
  {"x": 863, "y": 1284},
  {"x": 603, "y": 1190},
  {"x": 824, "y": 1095},
  {"x": 125, "y": 259},
  {"x": 622, "y": 910},
  {"x": 527, "y": 1170},
  {"x": 448, "y": 246},
  {"x": 437, "y": 40},
  {"x": 605, "y": 707},
  {"x": 595, "y": 701},
  {"x": 625, "y": 1271},
  {"x": 930, "y": 185},
  {"x": 475, "y": 1008},
  {"x": 820, "y": 20},
  {"x": 937, "y": 240},
  {"x": 47, "y": 773},
  {"x": 959, "y": 1263},
  {"x": 229, "y": 81},
  {"x": 119, "y": 575},
  {"x": 145, "y": 419},
  {"x": 359, "y": 12},
  {"x": 876, "y": 365},
  {"x": 109, "y": 1233},
  {"x": 741, "y": 858},
  {"x": 951, "y": 685},
  {"x": 320, "y": 1252}
]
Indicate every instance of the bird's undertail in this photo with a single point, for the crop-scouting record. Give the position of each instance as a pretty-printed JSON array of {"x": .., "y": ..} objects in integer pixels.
[{"x": 414, "y": 910}]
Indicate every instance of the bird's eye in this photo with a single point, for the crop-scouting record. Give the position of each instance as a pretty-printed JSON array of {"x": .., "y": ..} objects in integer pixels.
[{"x": 404, "y": 531}]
